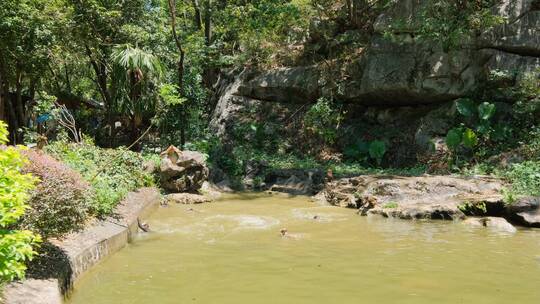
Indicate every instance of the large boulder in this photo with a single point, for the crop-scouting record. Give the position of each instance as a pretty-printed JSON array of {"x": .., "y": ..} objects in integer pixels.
[
  {"x": 289, "y": 85},
  {"x": 525, "y": 211},
  {"x": 403, "y": 71},
  {"x": 498, "y": 224},
  {"x": 431, "y": 197},
  {"x": 182, "y": 171},
  {"x": 520, "y": 33}
]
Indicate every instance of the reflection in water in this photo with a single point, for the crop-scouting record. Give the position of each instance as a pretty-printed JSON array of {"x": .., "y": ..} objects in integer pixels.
[{"x": 232, "y": 251}]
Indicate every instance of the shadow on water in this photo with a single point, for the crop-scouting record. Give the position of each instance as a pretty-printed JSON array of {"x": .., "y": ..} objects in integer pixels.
[{"x": 248, "y": 196}]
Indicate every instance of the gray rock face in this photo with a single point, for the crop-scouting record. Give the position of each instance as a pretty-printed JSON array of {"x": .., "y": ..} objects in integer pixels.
[
  {"x": 406, "y": 72},
  {"x": 394, "y": 70},
  {"x": 182, "y": 171},
  {"x": 431, "y": 197},
  {"x": 288, "y": 85},
  {"x": 403, "y": 70},
  {"x": 512, "y": 65},
  {"x": 526, "y": 211},
  {"x": 520, "y": 34},
  {"x": 296, "y": 182}
]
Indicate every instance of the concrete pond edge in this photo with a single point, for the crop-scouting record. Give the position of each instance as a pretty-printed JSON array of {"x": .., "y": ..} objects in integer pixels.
[{"x": 85, "y": 249}]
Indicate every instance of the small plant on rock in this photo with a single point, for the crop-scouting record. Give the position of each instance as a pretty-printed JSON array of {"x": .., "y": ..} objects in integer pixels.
[
  {"x": 473, "y": 208},
  {"x": 390, "y": 205}
]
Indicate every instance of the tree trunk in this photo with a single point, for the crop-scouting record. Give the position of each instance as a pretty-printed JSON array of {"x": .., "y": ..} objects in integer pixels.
[
  {"x": 198, "y": 19},
  {"x": 19, "y": 106},
  {"x": 208, "y": 22},
  {"x": 12, "y": 121},
  {"x": 180, "y": 68},
  {"x": 183, "y": 121},
  {"x": 100, "y": 69},
  {"x": 136, "y": 121},
  {"x": 209, "y": 72},
  {"x": 350, "y": 11}
]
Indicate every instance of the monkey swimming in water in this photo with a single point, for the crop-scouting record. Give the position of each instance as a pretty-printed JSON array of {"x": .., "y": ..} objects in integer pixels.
[{"x": 286, "y": 235}]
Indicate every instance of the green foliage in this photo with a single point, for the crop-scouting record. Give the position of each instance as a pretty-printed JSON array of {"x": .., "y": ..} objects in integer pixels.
[
  {"x": 486, "y": 111},
  {"x": 322, "y": 119},
  {"x": 131, "y": 58},
  {"x": 453, "y": 138},
  {"x": 112, "y": 173},
  {"x": 509, "y": 196},
  {"x": 524, "y": 178},
  {"x": 355, "y": 169},
  {"x": 473, "y": 208},
  {"x": 44, "y": 104},
  {"x": 469, "y": 138},
  {"x": 16, "y": 246},
  {"x": 169, "y": 93},
  {"x": 466, "y": 107},
  {"x": 377, "y": 149},
  {"x": 61, "y": 201},
  {"x": 451, "y": 22},
  {"x": 359, "y": 151},
  {"x": 477, "y": 117},
  {"x": 390, "y": 205},
  {"x": 259, "y": 27}
]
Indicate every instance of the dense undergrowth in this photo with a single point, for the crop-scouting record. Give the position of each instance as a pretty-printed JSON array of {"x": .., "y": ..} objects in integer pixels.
[
  {"x": 17, "y": 246},
  {"x": 112, "y": 173},
  {"x": 61, "y": 201},
  {"x": 48, "y": 194}
]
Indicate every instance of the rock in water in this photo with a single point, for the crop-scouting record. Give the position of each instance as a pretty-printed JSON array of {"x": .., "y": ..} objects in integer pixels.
[
  {"x": 182, "y": 171},
  {"x": 186, "y": 198},
  {"x": 525, "y": 211},
  {"x": 494, "y": 223},
  {"x": 415, "y": 197}
]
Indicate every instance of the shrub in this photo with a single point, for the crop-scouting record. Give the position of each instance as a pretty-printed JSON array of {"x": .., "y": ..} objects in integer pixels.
[
  {"x": 16, "y": 246},
  {"x": 112, "y": 173},
  {"x": 322, "y": 120},
  {"x": 525, "y": 178},
  {"x": 61, "y": 201},
  {"x": 377, "y": 150}
]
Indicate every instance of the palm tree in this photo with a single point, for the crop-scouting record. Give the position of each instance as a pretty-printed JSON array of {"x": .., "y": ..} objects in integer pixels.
[{"x": 136, "y": 74}]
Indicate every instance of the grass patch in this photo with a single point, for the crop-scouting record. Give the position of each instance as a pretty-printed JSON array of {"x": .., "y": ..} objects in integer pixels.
[
  {"x": 343, "y": 169},
  {"x": 390, "y": 205}
]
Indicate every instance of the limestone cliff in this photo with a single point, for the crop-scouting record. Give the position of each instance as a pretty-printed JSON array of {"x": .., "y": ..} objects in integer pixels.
[{"x": 395, "y": 72}]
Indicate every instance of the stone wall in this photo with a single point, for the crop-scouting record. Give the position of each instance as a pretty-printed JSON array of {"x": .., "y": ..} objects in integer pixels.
[{"x": 84, "y": 249}]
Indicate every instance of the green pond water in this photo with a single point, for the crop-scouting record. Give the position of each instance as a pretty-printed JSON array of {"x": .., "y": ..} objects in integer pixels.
[{"x": 231, "y": 251}]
